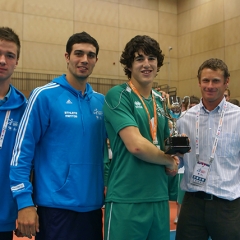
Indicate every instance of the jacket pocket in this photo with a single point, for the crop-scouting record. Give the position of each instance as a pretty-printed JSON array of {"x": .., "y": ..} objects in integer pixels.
[{"x": 83, "y": 187}]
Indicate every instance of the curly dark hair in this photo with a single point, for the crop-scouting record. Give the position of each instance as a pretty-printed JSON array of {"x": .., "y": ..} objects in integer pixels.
[
  {"x": 214, "y": 64},
  {"x": 8, "y": 34},
  {"x": 145, "y": 43},
  {"x": 82, "y": 37}
]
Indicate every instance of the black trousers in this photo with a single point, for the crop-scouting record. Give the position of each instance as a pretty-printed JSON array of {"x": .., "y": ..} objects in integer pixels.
[
  {"x": 200, "y": 218},
  {"x": 6, "y": 235},
  {"x": 62, "y": 224}
]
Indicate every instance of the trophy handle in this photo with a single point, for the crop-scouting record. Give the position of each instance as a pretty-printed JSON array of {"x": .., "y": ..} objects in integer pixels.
[{"x": 167, "y": 113}]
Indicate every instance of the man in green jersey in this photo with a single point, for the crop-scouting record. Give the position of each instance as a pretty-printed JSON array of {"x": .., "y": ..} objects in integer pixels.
[{"x": 137, "y": 189}]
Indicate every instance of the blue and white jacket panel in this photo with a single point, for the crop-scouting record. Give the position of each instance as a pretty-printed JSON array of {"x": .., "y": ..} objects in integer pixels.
[
  {"x": 10, "y": 115},
  {"x": 62, "y": 134}
]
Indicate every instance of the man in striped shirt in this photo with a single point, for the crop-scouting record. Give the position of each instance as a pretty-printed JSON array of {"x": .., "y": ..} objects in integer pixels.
[{"x": 211, "y": 206}]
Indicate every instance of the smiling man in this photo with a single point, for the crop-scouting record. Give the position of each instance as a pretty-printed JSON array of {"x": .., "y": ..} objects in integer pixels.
[
  {"x": 62, "y": 137},
  {"x": 211, "y": 205},
  {"x": 137, "y": 190},
  {"x": 12, "y": 105}
]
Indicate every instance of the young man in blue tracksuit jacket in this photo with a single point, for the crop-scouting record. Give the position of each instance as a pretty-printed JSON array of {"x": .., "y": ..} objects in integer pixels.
[
  {"x": 62, "y": 137},
  {"x": 12, "y": 105}
]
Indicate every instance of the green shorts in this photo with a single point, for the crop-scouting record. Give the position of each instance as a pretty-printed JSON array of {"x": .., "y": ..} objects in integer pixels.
[{"x": 137, "y": 221}]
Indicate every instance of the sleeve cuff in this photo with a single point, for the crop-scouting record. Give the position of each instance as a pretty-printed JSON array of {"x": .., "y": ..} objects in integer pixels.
[{"x": 24, "y": 200}]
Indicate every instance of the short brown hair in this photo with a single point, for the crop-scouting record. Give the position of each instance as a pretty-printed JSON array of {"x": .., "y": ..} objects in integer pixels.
[
  {"x": 214, "y": 64},
  {"x": 8, "y": 34}
]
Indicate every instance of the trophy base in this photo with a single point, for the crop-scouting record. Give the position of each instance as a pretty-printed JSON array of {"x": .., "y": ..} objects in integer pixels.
[{"x": 177, "y": 144}]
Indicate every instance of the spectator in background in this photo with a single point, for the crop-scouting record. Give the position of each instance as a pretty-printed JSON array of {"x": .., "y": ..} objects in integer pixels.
[
  {"x": 12, "y": 105},
  {"x": 227, "y": 94},
  {"x": 193, "y": 101},
  {"x": 107, "y": 162},
  {"x": 234, "y": 101},
  {"x": 62, "y": 135}
]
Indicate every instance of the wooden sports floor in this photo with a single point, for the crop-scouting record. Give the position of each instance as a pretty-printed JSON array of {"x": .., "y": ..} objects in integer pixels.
[{"x": 173, "y": 212}]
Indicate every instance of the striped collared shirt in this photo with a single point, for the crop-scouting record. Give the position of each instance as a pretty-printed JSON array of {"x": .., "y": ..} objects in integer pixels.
[{"x": 224, "y": 176}]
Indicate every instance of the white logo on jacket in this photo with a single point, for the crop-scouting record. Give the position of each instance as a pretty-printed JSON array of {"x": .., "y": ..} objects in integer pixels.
[
  {"x": 160, "y": 111},
  {"x": 138, "y": 104},
  {"x": 12, "y": 125},
  {"x": 68, "y": 101},
  {"x": 69, "y": 114},
  {"x": 98, "y": 114}
]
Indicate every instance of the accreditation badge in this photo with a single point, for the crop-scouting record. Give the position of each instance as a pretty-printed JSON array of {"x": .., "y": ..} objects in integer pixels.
[{"x": 200, "y": 173}]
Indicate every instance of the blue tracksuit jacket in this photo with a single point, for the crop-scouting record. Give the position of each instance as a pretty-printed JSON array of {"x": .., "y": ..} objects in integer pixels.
[
  {"x": 10, "y": 115},
  {"x": 62, "y": 136}
]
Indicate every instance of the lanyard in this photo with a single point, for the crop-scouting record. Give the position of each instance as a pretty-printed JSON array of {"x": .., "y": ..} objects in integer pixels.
[
  {"x": 153, "y": 127},
  {"x": 219, "y": 129},
  {"x": 4, "y": 128}
]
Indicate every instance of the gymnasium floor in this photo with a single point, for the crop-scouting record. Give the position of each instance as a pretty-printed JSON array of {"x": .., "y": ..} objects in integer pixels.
[{"x": 173, "y": 211}]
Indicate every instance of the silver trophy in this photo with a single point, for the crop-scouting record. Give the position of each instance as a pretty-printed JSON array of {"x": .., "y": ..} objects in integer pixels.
[{"x": 173, "y": 111}]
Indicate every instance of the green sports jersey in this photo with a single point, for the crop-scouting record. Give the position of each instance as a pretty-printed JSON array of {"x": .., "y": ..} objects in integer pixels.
[{"x": 130, "y": 179}]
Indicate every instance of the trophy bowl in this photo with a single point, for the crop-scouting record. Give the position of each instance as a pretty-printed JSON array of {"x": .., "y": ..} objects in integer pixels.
[{"x": 173, "y": 111}]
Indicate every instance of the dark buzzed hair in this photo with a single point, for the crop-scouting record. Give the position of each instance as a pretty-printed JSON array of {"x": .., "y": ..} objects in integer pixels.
[
  {"x": 9, "y": 35},
  {"x": 145, "y": 43},
  {"x": 82, "y": 37}
]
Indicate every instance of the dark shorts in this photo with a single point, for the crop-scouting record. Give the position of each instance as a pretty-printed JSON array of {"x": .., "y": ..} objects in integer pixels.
[
  {"x": 180, "y": 191},
  {"x": 6, "y": 235},
  {"x": 62, "y": 224}
]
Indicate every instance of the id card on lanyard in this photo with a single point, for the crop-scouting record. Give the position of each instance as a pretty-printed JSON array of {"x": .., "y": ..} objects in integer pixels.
[
  {"x": 200, "y": 173},
  {"x": 201, "y": 169},
  {"x": 4, "y": 128}
]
